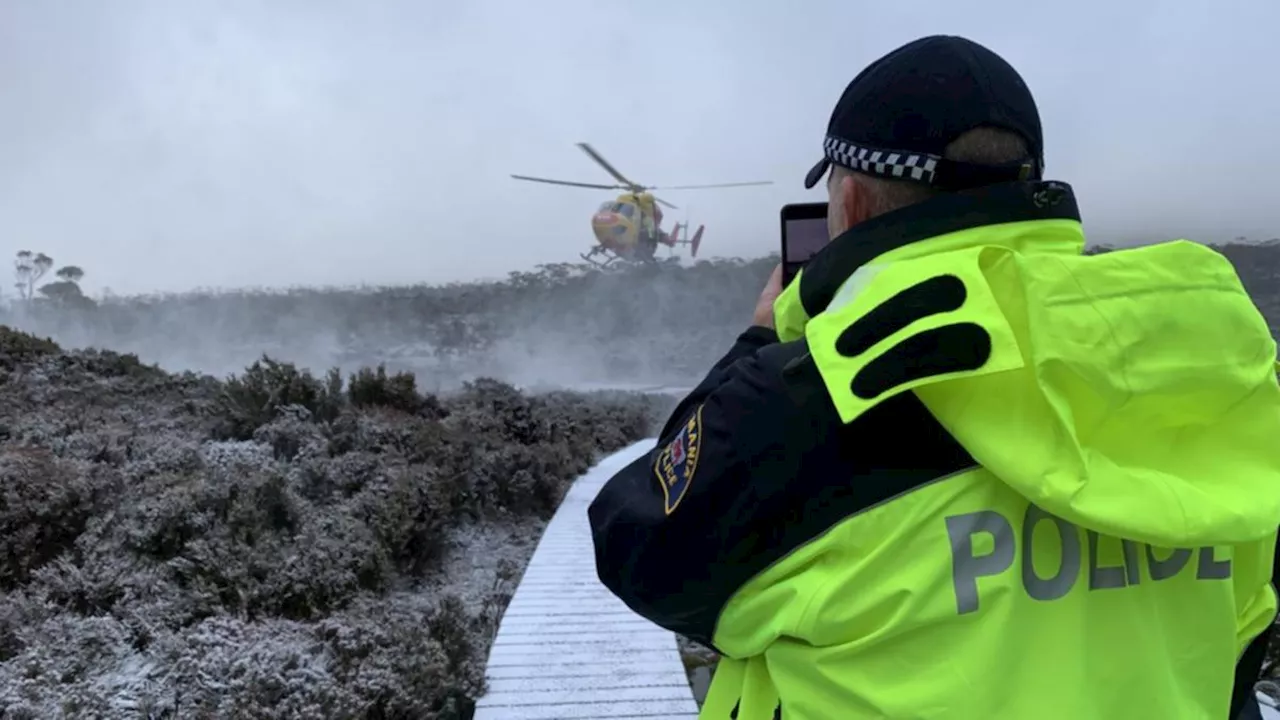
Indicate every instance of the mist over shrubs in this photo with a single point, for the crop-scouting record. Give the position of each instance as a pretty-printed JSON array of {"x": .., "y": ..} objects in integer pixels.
[
  {"x": 273, "y": 545},
  {"x": 560, "y": 325}
]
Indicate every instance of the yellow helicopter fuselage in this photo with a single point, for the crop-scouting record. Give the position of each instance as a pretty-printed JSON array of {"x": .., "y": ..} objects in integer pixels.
[{"x": 620, "y": 225}]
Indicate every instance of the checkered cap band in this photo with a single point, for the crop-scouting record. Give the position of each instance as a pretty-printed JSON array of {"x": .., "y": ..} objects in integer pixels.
[{"x": 885, "y": 163}]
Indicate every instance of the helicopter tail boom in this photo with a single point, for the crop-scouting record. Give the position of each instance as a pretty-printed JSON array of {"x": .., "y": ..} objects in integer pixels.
[{"x": 672, "y": 239}]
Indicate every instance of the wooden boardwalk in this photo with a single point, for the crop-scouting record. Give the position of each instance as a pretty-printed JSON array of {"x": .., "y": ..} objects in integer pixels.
[{"x": 567, "y": 648}]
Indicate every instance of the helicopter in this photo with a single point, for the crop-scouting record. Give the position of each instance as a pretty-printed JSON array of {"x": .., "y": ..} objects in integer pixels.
[{"x": 628, "y": 228}]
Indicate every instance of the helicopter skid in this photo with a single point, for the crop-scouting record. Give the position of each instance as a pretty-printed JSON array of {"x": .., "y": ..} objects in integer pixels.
[{"x": 591, "y": 258}]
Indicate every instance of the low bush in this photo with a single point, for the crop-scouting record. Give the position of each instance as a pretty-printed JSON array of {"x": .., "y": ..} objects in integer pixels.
[{"x": 271, "y": 545}]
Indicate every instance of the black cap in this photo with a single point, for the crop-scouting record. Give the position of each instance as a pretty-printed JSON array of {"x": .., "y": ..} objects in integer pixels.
[{"x": 899, "y": 114}]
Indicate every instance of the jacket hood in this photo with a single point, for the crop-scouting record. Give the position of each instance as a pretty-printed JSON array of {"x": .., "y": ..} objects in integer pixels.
[{"x": 1131, "y": 392}]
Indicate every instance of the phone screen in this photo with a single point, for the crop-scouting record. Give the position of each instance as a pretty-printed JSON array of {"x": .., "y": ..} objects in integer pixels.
[{"x": 801, "y": 239}]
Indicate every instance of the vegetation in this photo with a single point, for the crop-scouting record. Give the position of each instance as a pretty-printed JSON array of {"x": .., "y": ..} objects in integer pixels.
[{"x": 271, "y": 545}]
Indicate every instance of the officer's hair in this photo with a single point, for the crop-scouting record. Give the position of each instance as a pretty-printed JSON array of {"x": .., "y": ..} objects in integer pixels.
[{"x": 986, "y": 145}]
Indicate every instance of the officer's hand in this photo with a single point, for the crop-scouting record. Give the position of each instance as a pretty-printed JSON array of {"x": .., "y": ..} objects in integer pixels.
[{"x": 764, "y": 306}]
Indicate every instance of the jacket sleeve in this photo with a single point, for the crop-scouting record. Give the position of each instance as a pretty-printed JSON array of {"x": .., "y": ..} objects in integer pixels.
[
  {"x": 676, "y": 531},
  {"x": 751, "y": 340}
]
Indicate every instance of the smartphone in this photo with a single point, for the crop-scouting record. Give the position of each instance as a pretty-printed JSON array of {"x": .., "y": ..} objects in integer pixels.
[{"x": 804, "y": 233}]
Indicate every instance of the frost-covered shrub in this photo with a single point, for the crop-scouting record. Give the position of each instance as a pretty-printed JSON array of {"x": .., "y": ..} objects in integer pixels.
[
  {"x": 374, "y": 388},
  {"x": 45, "y": 503},
  {"x": 18, "y": 347},
  {"x": 272, "y": 545},
  {"x": 253, "y": 399}
]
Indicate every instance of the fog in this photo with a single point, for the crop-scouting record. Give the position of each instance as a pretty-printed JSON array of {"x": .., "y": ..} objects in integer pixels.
[
  {"x": 647, "y": 327},
  {"x": 168, "y": 146}
]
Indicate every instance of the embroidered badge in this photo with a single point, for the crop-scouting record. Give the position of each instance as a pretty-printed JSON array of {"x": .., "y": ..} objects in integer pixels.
[{"x": 677, "y": 462}]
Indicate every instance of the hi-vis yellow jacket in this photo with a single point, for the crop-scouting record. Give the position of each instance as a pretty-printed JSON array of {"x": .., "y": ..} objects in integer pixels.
[{"x": 981, "y": 476}]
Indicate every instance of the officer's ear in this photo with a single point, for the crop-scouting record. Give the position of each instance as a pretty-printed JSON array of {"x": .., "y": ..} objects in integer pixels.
[{"x": 850, "y": 200}]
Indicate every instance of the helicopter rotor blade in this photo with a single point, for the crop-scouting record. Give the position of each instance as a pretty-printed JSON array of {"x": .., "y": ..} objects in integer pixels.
[
  {"x": 590, "y": 151},
  {"x": 596, "y": 186},
  {"x": 664, "y": 202},
  {"x": 716, "y": 185}
]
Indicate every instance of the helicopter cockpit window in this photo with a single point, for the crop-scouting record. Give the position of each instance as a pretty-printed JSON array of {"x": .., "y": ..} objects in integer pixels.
[
  {"x": 606, "y": 206},
  {"x": 626, "y": 209}
]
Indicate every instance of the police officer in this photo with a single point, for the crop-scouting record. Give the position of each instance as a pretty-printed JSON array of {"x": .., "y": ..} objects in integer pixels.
[{"x": 957, "y": 468}]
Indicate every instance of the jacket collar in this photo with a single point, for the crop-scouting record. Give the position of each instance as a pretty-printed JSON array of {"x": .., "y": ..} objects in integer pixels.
[{"x": 941, "y": 215}]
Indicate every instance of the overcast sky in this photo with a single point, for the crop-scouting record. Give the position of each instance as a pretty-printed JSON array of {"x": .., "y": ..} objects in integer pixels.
[{"x": 173, "y": 144}]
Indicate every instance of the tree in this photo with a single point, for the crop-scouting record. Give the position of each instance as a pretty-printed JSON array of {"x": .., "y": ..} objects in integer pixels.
[
  {"x": 65, "y": 292},
  {"x": 70, "y": 273},
  {"x": 28, "y": 269}
]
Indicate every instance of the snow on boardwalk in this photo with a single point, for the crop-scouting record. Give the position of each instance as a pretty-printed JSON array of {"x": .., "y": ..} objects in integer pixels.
[{"x": 567, "y": 648}]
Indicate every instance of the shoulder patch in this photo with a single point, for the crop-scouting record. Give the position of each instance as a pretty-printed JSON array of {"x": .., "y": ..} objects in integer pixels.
[{"x": 677, "y": 461}]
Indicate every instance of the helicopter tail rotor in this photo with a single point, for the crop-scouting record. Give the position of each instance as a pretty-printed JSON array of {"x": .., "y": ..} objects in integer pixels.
[
  {"x": 693, "y": 241},
  {"x": 696, "y": 241}
]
